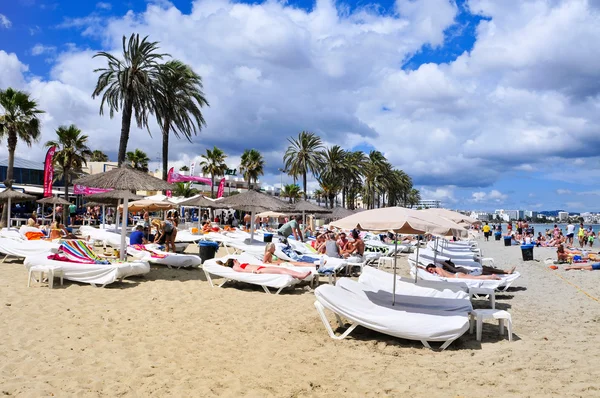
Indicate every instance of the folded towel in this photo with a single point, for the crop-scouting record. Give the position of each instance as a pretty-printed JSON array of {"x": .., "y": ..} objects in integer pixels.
[{"x": 326, "y": 270}]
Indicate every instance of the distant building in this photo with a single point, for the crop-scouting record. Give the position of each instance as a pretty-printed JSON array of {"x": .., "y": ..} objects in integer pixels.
[
  {"x": 563, "y": 216},
  {"x": 531, "y": 214},
  {"x": 481, "y": 216},
  {"x": 429, "y": 204}
]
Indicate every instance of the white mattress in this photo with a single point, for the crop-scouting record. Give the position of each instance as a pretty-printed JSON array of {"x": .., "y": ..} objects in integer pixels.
[
  {"x": 505, "y": 280},
  {"x": 385, "y": 319},
  {"x": 171, "y": 260},
  {"x": 23, "y": 248},
  {"x": 270, "y": 280},
  {"x": 95, "y": 274}
]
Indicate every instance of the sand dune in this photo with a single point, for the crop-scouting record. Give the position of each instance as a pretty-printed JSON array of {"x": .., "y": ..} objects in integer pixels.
[{"x": 170, "y": 334}]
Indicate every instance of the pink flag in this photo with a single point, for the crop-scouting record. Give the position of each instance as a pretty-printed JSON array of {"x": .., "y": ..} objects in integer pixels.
[
  {"x": 81, "y": 190},
  {"x": 221, "y": 188},
  {"x": 49, "y": 171},
  {"x": 170, "y": 180}
]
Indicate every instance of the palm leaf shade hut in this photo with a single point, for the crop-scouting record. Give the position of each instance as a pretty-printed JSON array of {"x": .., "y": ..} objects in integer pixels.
[
  {"x": 124, "y": 179},
  {"x": 303, "y": 207},
  {"x": 202, "y": 201},
  {"x": 112, "y": 198},
  {"x": 53, "y": 200},
  {"x": 11, "y": 196},
  {"x": 399, "y": 220},
  {"x": 254, "y": 202},
  {"x": 340, "y": 212}
]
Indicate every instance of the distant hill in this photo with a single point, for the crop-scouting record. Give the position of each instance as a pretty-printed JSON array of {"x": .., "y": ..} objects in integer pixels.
[{"x": 554, "y": 213}]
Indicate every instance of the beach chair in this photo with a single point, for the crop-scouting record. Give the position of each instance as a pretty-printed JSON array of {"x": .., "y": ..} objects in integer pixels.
[
  {"x": 19, "y": 248},
  {"x": 431, "y": 326},
  {"x": 152, "y": 254}
]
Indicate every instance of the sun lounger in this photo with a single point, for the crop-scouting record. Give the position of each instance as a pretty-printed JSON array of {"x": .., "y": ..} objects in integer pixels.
[
  {"x": 504, "y": 283},
  {"x": 10, "y": 233},
  {"x": 152, "y": 254},
  {"x": 97, "y": 275},
  {"x": 427, "y": 256},
  {"x": 266, "y": 281},
  {"x": 21, "y": 248},
  {"x": 442, "y": 326}
]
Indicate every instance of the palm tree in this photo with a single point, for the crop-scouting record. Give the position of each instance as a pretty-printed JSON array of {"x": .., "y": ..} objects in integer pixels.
[
  {"x": 318, "y": 195},
  {"x": 184, "y": 168},
  {"x": 70, "y": 156},
  {"x": 98, "y": 156},
  {"x": 138, "y": 160},
  {"x": 184, "y": 189},
  {"x": 304, "y": 155},
  {"x": 179, "y": 107},
  {"x": 18, "y": 122},
  {"x": 414, "y": 197},
  {"x": 353, "y": 171},
  {"x": 130, "y": 85},
  {"x": 251, "y": 166},
  {"x": 292, "y": 192},
  {"x": 213, "y": 164},
  {"x": 376, "y": 165},
  {"x": 330, "y": 177}
]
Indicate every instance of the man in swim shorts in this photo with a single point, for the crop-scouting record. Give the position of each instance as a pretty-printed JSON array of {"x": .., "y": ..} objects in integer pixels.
[{"x": 570, "y": 233}]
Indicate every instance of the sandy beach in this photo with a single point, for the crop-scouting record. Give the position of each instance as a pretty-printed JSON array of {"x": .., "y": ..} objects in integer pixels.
[{"x": 171, "y": 334}]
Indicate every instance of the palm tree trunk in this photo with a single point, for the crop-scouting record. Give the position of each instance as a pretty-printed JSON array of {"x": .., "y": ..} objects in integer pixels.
[
  {"x": 12, "y": 145},
  {"x": 304, "y": 184},
  {"x": 125, "y": 127},
  {"x": 66, "y": 207},
  {"x": 165, "y": 149}
]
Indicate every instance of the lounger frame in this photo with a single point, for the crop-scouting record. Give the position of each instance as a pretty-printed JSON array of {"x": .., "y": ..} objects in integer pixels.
[
  {"x": 212, "y": 284},
  {"x": 321, "y": 310}
]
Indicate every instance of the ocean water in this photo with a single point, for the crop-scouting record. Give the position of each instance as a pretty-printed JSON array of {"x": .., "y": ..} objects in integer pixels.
[{"x": 543, "y": 227}]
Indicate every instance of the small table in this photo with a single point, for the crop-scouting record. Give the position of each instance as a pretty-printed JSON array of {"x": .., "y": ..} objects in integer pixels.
[
  {"x": 477, "y": 316},
  {"x": 51, "y": 271}
]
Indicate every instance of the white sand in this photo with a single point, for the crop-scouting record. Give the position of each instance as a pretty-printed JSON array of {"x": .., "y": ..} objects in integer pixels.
[{"x": 170, "y": 334}]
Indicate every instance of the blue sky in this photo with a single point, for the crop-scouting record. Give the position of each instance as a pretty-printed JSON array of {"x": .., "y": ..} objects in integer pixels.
[{"x": 486, "y": 105}]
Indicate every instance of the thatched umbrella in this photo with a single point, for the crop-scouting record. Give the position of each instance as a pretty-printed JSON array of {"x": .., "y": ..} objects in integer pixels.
[
  {"x": 303, "y": 207},
  {"x": 341, "y": 212},
  {"x": 9, "y": 196},
  {"x": 53, "y": 200},
  {"x": 113, "y": 198},
  {"x": 202, "y": 201},
  {"x": 255, "y": 202},
  {"x": 126, "y": 179}
]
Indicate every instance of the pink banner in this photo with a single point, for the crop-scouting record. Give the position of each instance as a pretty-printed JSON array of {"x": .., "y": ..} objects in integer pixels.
[
  {"x": 169, "y": 180},
  {"x": 221, "y": 188},
  {"x": 176, "y": 177},
  {"x": 81, "y": 190},
  {"x": 49, "y": 171}
]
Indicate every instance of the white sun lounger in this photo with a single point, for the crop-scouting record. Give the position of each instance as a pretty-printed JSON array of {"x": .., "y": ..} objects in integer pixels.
[
  {"x": 443, "y": 326},
  {"x": 426, "y": 257},
  {"x": 97, "y": 275},
  {"x": 266, "y": 281},
  {"x": 22, "y": 248},
  {"x": 504, "y": 283},
  {"x": 172, "y": 260}
]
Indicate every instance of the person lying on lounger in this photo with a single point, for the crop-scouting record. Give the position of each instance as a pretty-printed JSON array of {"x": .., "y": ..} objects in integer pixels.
[
  {"x": 271, "y": 258},
  {"x": 592, "y": 267},
  {"x": 259, "y": 269},
  {"x": 432, "y": 269},
  {"x": 485, "y": 270}
]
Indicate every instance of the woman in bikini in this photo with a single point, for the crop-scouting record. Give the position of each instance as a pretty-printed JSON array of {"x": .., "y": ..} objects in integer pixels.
[
  {"x": 259, "y": 269},
  {"x": 271, "y": 258},
  {"x": 432, "y": 269}
]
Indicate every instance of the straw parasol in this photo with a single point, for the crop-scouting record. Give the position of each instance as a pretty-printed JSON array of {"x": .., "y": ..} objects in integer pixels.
[
  {"x": 11, "y": 196},
  {"x": 150, "y": 205},
  {"x": 53, "y": 200},
  {"x": 255, "y": 202},
  {"x": 340, "y": 212},
  {"x": 399, "y": 220},
  {"x": 124, "y": 178},
  {"x": 112, "y": 198},
  {"x": 202, "y": 201},
  {"x": 303, "y": 207}
]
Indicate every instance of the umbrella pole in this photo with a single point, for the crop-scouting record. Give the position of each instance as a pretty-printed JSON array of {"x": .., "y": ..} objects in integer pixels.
[
  {"x": 435, "y": 250},
  {"x": 54, "y": 212},
  {"x": 199, "y": 211},
  {"x": 395, "y": 260},
  {"x": 124, "y": 230},
  {"x": 251, "y": 226},
  {"x": 103, "y": 217},
  {"x": 8, "y": 221},
  {"x": 417, "y": 265}
]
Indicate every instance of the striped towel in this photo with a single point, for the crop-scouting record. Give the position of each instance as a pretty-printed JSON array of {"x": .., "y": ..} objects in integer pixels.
[
  {"x": 78, "y": 251},
  {"x": 153, "y": 254}
]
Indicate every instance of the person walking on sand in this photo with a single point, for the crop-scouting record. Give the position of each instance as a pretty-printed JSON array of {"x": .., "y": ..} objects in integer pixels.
[
  {"x": 570, "y": 233},
  {"x": 581, "y": 235},
  {"x": 486, "y": 231}
]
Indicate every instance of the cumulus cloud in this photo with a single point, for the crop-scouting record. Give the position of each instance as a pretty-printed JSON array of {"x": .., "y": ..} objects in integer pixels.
[
  {"x": 40, "y": 49},
  {"x": 493, "y": 196},
  {"x": 104, "y": 6},
  {"x": 529, "y": 89},
  {"x": 5, "y": 22},
  {"x": 563, "y": 191}
]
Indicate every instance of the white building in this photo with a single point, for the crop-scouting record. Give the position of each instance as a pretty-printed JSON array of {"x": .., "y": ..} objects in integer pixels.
[
  {"x": 481, "y": 216},
  {"x": 429, "y": 204},
  {"x": 531, "y": 214},
  {"x": 563, "y": 216}
]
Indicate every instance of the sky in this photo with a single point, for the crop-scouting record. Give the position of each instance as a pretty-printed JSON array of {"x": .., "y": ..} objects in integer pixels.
[{"x": 485, "y": 104}]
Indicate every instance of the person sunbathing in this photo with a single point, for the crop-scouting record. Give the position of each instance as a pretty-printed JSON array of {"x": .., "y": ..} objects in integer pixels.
[
  {"x": 485, "y": 270},
  {"x": 259, "y": 269},
  {"x": 561, "y": 254},
  {"x": 432, "y": 269},
  {"x": 591, "y": 267}
]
